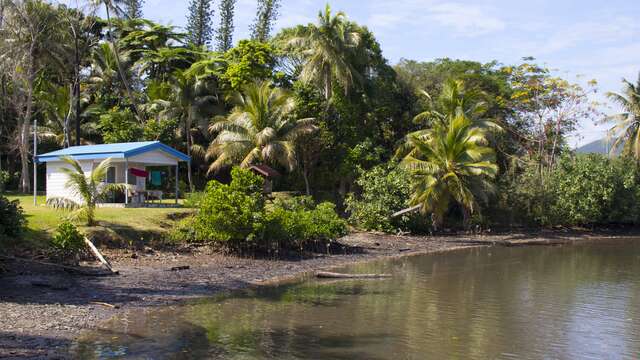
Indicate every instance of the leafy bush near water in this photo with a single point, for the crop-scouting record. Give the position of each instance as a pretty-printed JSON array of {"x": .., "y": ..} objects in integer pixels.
[
  {"x": 12, "y": 220},
  {"x": 296, "y": 222},
  {"x": 236, "y": 217},
  {"x": 67, "y": 239},
  {"x": 384, "y": 190},
  {"x": 581, "y": 190}
]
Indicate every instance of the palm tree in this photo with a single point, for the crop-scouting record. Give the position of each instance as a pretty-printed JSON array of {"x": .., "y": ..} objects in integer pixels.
[
  {"x": 327, "y": 49},
  {"x": 90, "y": 188},
  {"x": 190, "y": 101},
  {"x": 113, "y": 5},
  {"x": 627, "y": 128},
  {"x": 455, "y": 98},
  {"x": 450, "y": 162},
  {"x": 259, "y": 129}
]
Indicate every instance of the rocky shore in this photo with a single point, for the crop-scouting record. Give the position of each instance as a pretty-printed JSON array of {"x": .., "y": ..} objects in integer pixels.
[{"x": 42, "y": 308}]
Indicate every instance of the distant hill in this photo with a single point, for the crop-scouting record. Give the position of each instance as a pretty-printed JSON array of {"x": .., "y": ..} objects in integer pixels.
[{"x": 601, "y": 146}]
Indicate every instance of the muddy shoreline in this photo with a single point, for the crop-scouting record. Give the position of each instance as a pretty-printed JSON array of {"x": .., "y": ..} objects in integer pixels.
[{"x": 43, "y": 309}]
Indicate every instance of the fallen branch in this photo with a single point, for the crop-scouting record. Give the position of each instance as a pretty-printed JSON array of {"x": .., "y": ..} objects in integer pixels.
[
  {"x": 105, "y": 304},
  {"x": 99, "y": 256},
  {"x": 332, "y": 275},
  {"x": 404, "y": 211}
]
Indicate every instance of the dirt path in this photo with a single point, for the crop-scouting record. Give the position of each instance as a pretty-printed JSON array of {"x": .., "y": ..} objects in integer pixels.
[{"x": 42, "y": 310}]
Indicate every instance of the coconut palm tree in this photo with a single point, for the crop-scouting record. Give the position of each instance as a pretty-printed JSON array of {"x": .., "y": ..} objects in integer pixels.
[
  {"x": 327, "y": 49},
  {"x": 259, "y": 129},
  {"x": 455, "y": 98},
  {"x": 114, "y": 6},
  {"x": 450, "y": 162},
  {"x": 626, "y": 131},
  {"x": 90, "y": 188}
]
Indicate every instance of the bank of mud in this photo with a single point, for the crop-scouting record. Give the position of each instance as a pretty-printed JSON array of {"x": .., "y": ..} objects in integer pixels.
[{"x": 42, "y": 309}]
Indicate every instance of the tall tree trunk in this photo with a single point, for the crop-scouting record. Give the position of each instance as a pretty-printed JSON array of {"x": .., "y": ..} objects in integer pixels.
[
  {"x": 76, "y": 87},
  {"x": 305, "y": 175},
  {"x": 3, "y": 95},
  {"x": 25, "y": 127},
  {"x": 66, "y": 142},
  {"x": 116, "y": 52},
  {"x": 2, "y": 6},
  {"x": 189, "y": 141},
  {"x": 327, "y": 86}
]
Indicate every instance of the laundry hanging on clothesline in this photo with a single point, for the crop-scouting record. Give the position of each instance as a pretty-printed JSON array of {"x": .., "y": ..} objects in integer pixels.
[{"x": 139, "y": 172}]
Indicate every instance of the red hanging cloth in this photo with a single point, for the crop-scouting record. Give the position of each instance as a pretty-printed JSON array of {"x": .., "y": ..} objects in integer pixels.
[{"x": 139, "y": 172}]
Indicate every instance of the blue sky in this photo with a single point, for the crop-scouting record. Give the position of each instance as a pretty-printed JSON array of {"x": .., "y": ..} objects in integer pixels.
[{"x": 590, "y": 39}]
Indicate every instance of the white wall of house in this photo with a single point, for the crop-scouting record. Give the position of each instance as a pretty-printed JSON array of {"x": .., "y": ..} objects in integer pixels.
[{"x": 57, "y": 180}]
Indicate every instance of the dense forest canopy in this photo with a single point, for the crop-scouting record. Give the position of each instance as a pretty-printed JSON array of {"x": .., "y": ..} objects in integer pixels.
[{"x": 319, "y": 102}]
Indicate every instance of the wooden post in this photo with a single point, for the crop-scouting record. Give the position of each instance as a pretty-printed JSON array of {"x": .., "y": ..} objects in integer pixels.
[
  {"x": 177, "y": 166},
  {"x": 126, "y": 181},
  {"x": 35, "y": 162}
]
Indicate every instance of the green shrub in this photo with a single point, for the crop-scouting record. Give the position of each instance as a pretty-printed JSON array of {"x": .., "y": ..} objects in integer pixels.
[
  {"x": 325, "y": 223},
  {"x": 5, "y": 177},
  {"x": 594, "y": 189},
  {"x": 235, "y": 217},
  {"x": 384, "y": 190},
  {"x": 231, "y": 215},
  {"x": 68, "y": 239},
  {"x": 522, "y": 199},
  {"x": 12, "y": 220},
  {"x": 193, "y": 199},
  {"x": 184, "y": 231},
  {"x": 580, "y": 190},
  {"x": 296, "y": 227}
]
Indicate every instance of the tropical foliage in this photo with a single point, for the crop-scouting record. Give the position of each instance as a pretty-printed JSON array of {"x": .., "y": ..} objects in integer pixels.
[
  {"x": 626, "y": 132},
  {"x": 235, "y": 217},
  {"x": 383, "y": 191},
  {"x": 318, "y": 102},
  {"x": 12, "y": 220},
  {"x": 450, "y": 163},
  {"x": 259, "y": 129},
  {"x": 67, "y": 239}
]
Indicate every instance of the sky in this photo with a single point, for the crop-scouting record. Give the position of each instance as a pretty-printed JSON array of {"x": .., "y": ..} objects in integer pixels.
[{"x": 580, "y": 40}]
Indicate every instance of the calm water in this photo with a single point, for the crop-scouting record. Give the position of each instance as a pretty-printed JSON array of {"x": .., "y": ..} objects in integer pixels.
[{"x": 570, "y": 302}]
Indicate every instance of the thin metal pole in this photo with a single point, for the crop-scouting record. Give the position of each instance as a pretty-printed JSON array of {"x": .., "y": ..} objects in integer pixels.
[
  {"x": 126, "y": 181},
  {"x": 35, "y": 162},
  {"x": 177, "y": 166}
]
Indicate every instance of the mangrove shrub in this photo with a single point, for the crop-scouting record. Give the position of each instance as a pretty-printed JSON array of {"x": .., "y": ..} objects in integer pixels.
[
  {"x": 384, "y": 190},
  {"x": 236, "y": 217}
]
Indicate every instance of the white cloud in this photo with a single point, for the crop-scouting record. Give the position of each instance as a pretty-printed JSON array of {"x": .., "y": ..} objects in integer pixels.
[{"x": 466, "y": 20}]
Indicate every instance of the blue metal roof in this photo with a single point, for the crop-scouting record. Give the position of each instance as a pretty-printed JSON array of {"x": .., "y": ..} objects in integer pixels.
[{"x": 103, "y": 151}]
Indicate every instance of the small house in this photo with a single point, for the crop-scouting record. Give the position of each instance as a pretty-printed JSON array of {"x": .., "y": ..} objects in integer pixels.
[{"x": 129, "y": 166}]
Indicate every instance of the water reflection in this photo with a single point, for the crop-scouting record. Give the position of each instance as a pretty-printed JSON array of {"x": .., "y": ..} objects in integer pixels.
[{"x": 569, "y": 302}]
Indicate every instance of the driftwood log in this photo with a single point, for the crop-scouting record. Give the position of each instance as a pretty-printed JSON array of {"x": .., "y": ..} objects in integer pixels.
[
  {"x": 99, "y": 256},
  {"x": 407, "y": 210},
  {"x": 333, "y": 275}
]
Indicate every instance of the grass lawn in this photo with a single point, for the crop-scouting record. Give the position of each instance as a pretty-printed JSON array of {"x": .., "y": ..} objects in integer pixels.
[{"x": 120, "y": 224}]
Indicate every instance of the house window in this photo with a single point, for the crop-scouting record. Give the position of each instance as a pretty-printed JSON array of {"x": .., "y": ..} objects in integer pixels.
[
  {"x": 131, "y": 179},
  {"x": 111, "y": 175}
]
